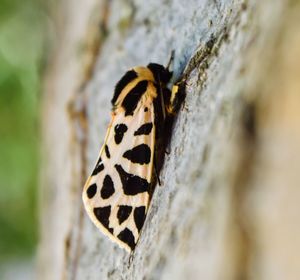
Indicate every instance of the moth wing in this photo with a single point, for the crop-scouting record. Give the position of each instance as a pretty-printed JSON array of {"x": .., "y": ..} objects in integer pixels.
[{"x": 116, "y": 196}]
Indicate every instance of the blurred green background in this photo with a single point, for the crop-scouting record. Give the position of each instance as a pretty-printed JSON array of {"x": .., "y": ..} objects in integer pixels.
[{"x": 21, "y": 58}]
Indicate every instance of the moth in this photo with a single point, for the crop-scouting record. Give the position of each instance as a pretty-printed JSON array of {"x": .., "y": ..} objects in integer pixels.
[{"x": 117, "y": 194}]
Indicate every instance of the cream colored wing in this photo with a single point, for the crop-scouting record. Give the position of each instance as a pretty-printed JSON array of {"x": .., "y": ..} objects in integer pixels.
[{"x": 116, "y": 195}]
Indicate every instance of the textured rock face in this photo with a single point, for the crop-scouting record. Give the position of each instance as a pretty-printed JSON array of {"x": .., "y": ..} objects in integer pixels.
[{"x": 228, "y": 204}]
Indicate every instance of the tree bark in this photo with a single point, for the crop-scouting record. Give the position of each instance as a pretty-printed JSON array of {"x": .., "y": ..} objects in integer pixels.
[{"x": 228, "y": 207}]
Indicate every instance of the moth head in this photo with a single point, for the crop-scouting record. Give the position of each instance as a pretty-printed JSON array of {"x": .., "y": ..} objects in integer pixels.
[{"x": 160, "y": 73}]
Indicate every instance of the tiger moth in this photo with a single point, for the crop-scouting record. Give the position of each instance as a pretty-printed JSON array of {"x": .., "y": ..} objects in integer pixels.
[{"x": 117, "y": 194}]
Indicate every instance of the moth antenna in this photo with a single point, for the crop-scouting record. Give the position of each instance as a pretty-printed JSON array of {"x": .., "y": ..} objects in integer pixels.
[{"x": 171, "y": 59}]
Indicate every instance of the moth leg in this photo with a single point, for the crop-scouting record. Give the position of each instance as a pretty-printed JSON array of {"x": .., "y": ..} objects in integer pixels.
[
  {"x": 156, "y": 173},
  {"x": 167, "y": 150},
  {"x": 130, "y": 259},
  {"x": 177, "y": 97}
]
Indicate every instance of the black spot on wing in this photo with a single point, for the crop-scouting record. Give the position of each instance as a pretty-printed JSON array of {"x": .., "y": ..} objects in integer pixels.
[
  {"x": 146, "y": 109},
  {"x": 127, "y": 237},
  {"x": 123, "y": 213},
  {"x": 99, "y": 161},
  {"x": 102, "y": 214},
  {"x": 107, "y": 187},
  {"x": 99, "y": 167},
  {"x": 120, "y": 130},
  {"x": 133, "y": 97},
  {"x": 125, "y": 80},
  {"x": 132, "y": 184},
  {"x": 91, "y": 191},
  {"x": 107, "y": 151},
  {"x": 139, "y": 217},
  {"x": 144, "y": 129},
  {"x": 140, "y": 154}
]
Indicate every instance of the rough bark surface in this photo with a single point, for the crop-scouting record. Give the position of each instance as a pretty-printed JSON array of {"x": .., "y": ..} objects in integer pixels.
[{"x": 228, "y": 207}]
